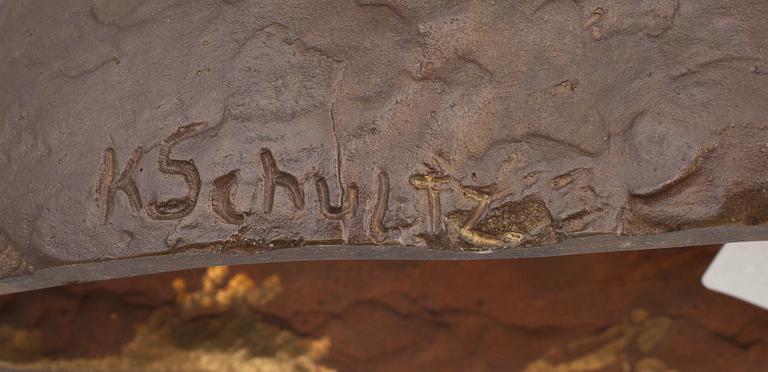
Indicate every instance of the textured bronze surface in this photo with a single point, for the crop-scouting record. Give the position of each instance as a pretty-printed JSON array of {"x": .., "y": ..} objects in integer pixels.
[{"x": 140, "y": 136}]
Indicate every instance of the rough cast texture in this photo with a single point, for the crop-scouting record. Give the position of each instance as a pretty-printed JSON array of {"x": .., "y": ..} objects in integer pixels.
[{"x": 136, "y": 128}]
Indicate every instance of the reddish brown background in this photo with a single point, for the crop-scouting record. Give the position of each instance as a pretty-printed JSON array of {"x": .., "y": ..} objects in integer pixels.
[{"x": 442, "y": 316}]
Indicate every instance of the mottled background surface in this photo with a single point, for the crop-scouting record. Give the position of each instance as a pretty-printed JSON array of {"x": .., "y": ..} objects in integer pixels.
[{"x": 633, "y": 311}]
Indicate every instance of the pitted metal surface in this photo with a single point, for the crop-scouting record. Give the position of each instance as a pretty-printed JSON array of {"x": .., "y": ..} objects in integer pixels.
[{"x": 179, "y": 134}]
